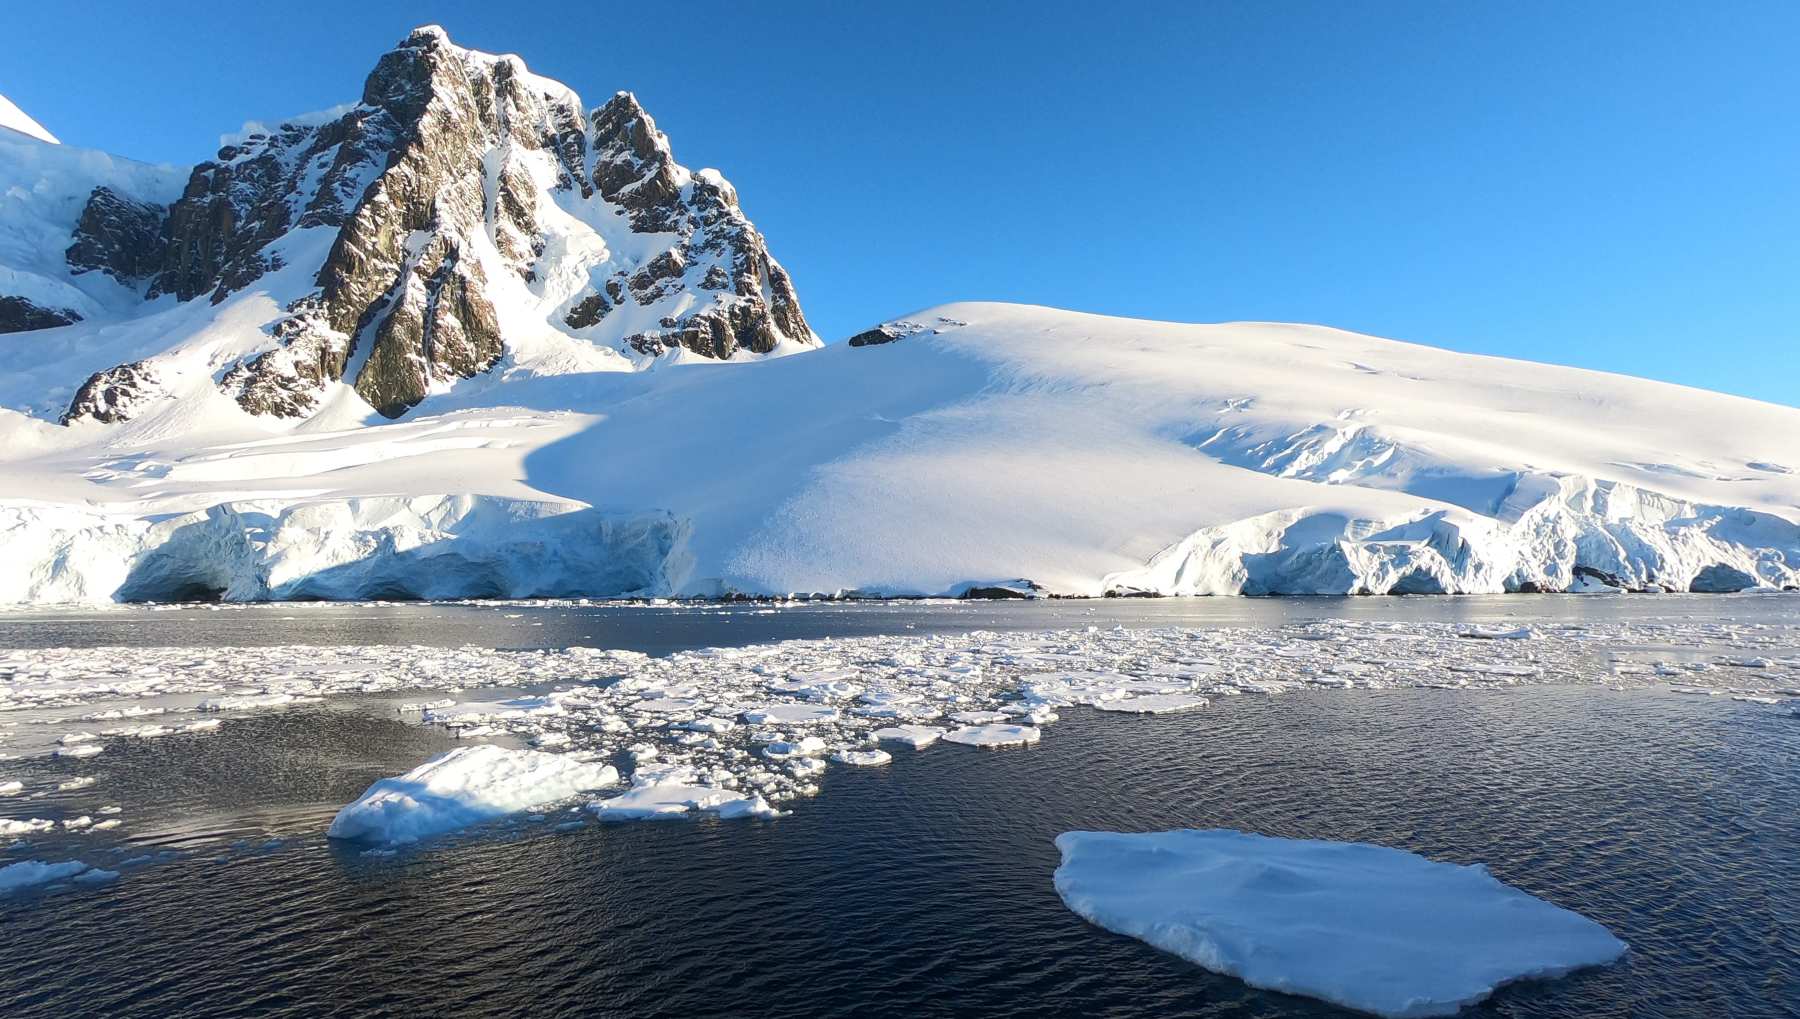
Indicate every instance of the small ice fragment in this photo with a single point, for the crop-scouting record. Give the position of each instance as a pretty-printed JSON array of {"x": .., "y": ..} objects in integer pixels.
[
  {"x": 1154, "y": 704},
  {"x": 782, "y": 750},
  {"x": 915, "y": 736},
  {"x": 673, "y": 801},
  {"x": 994, "y": 735},
  {"x": 862, "y": 758},
  {"x": 790, "y": 714},
  {"x": 29, "y": 873}
]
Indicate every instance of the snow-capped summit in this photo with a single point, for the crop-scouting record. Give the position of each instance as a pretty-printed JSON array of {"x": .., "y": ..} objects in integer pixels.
[
  {"x": 464, "y": 217},
  {"x": 18, "y": 120},
  {"x": 470, "y": 250}
]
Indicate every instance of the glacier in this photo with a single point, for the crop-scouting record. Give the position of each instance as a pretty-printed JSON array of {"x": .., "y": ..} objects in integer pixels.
[{"x": 1086, "y": 455}]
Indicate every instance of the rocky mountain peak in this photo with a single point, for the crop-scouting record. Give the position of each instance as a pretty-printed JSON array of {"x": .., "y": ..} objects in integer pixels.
[{"x": 461, "y": 200}]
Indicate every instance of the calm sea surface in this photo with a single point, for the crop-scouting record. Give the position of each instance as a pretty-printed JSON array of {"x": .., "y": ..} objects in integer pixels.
[{"x": 921, "y": 888}]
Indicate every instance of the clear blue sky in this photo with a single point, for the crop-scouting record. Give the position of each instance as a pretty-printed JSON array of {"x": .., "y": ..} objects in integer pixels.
[{"x": 1612, "y": 185}]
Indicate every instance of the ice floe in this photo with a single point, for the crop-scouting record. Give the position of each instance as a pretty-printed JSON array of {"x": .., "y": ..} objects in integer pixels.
[
  {"x": 466, "y": 786},
  {"x": 994, "y": 735},
  {"x": 16, "y": 877},
  {"x": 1367, "y": 927},
  {"x": 673, "y": 792}
]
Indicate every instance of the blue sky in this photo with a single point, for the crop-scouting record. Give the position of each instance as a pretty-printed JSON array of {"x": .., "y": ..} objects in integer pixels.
[{"x": 1611, "y": 185}]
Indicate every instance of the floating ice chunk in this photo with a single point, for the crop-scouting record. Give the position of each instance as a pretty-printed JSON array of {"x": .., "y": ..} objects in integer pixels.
[
  {"x": 15, "y": 877},
  {"x": 70, "y": 739},
  {"x": 666, "y": 705},
  {"x": 1154, "y": 704},
  {"x": 915, "y": 736},
  {"x": 551, "y": 739},
  {"x": 466, "y": 786},
  {"x": 782, "y": 750},
  {"x": 11, "y": 788},
  {"x": 862, "y": 758},
  {"x": 10, "y": 828},
  {"x": 1499, "y": 633},
  {"x": 469, "y": 713},
  {"x": 253, "y": 702},
  {"x": 994, "y": 735},
  {"x": 708, "y": 723},
  {"x": 790, "y": 714},
  {"x": 673, "y": 801},
  {"x": 80, "y": 750},
  {"x": 1366, "y": 927},
  {"x": 978, "y": 717},
  {"x": 805, "y": 767}
]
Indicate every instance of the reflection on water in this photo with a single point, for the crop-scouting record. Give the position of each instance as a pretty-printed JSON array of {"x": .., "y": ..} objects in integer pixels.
[{"x": 924, "y": 887}]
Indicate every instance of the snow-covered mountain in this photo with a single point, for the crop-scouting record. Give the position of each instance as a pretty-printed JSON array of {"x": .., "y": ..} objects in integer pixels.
[
  {"x": 971, "y": 444},
  {"x": 465, "y": 219},
  {"x": 400, "y": 348}
]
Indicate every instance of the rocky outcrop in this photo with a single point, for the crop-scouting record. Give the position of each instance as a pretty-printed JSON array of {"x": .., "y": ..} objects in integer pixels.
[
  {"x": 450, "y": 189},
  {"x": 899, "y": 329},
  {"x": 113, "y": 395},
  {"x": 18, "y": 315},
  {"x": 119, "y": 236}
]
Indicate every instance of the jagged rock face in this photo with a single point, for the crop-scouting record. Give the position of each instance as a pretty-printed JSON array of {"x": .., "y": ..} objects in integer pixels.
[
  {"x": 461, "y": 189},
  {"x": 118, "y": 236},
  {"x": 111, "y": 396},
  {"x": 18, "y": 315}
]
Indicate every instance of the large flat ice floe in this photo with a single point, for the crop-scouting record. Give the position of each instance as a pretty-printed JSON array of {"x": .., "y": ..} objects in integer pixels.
[
  {"x": 1367, "y": 927},
  {"x": 466, "y": 786},
  {"x": 1081, "y": 453}
]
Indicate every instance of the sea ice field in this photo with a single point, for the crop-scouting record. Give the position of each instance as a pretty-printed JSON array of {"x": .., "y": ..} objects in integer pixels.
[{"x": 883, "y": 770}]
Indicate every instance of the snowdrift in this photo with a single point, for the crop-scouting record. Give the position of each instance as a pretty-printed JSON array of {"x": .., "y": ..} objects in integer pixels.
[{"x": 1085, "y": 454}]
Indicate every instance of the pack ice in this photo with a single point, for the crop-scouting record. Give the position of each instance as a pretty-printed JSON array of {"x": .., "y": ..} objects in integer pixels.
[{"x": 1371, "y": 928}]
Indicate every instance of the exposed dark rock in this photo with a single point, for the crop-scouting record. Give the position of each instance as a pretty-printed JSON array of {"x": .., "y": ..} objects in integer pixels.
[
  {"x": 112, "y": 395},
  {"x": 876, "y": 336},
  {"x": 888, "y": 332},
  {"x": 118, "y": 236},
  {"x": 588, "y": 311},
  {"x": 18, "y": 315},
  {"x": 441, "y": 326},
  {"x": 1010, "y": 590},
  {"x": 1601, "y": 576},
  {"x": 430, "y": 167},
  {"x": 1721, "y": 579}
]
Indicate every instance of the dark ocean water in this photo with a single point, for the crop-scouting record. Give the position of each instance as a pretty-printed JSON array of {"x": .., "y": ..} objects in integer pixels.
[{"x": 922, "y": 888}]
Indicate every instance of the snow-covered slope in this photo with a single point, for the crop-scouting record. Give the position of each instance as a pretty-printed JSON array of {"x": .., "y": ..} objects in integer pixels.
[
  {"x": 970, "y": 444},
  {"x": 15, "y": 119},
  {"x": 44, "y": 190}
]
